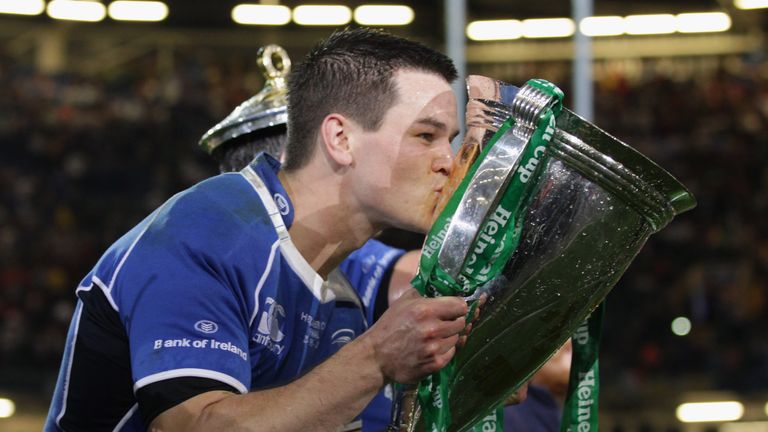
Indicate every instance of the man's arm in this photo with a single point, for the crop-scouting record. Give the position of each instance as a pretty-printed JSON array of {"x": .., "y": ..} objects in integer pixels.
[{"x": 415, "y": 337}]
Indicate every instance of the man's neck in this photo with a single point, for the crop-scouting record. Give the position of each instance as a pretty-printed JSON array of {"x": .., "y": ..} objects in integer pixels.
[{"x": 326, "y": 226}]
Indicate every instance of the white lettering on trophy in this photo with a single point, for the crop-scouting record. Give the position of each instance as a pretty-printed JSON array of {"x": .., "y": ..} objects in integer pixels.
[
  {"x": 584, "y": 394},
  {"x": 548, "y": 132},
  {"x": 581, "y": 336},
  {"x": 433, "y": 244},
  {"x": 527, "y": 171},
  {"x": 496, "y": 222}
]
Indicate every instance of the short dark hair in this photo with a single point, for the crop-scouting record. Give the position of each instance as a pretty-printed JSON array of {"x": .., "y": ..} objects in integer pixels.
[
  {"x": 237, "y": 153},
  {"x": 351, "y": 73}
]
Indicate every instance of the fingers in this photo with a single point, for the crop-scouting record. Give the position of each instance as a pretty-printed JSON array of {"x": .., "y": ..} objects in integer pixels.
[
  {"x": 444, "y": 329},
  {"x": 448, "y": 308},
  {"x": 417, "y": 335},
  {"x": 441, "y": 360}
]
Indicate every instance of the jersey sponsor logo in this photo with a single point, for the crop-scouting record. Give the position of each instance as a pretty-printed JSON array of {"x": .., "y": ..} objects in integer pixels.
[
  {"x": 270, "y": 327},
  {"x": 200, "y": 344},
  {"x": 206, "y": 326},
  {"x": 282, "y": 204},
  {"x": 315, "y": 329},
  {"x": 312, "y": 322},
  {"x": 342, "y": 337}
]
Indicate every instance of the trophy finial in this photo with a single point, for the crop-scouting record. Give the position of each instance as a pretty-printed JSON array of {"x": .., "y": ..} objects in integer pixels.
[
  {"x": 267, "y": 108},
  {"x": 274, "y": 62}
]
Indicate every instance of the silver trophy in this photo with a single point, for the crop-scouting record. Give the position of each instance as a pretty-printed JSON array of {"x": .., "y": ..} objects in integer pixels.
[{"x": 595, "y": 203}]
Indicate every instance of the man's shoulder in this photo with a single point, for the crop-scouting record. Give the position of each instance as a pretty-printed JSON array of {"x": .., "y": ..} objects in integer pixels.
[
  {"x": 215, "y": 218},
  {"x": 225, "y": 205},
  {"x": 372, "y": 253}
]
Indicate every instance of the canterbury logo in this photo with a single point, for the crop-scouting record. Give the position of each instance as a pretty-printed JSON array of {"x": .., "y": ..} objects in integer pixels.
[{"x": 271, "y": 320}]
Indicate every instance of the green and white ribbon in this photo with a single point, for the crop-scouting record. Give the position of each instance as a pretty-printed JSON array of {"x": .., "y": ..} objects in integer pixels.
[
  {"x": 580, "y": 411},
  {"x": 497, "y": 239}
]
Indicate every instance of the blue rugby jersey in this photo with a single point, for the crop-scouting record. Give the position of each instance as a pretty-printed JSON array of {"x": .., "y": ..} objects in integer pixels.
[{"x": 208, "y": 292}]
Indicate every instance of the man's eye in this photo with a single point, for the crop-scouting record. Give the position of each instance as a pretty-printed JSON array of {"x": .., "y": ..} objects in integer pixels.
[{"x": 427, "y": 136}]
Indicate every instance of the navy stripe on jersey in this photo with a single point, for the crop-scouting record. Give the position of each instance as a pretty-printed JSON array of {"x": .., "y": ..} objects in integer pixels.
[
  {"x": 98, "y": 392},
  {"x": 160, "y": 396}
]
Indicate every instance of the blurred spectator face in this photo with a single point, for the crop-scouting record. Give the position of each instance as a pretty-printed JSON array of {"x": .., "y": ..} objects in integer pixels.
[{"x": 555, "y": 373}]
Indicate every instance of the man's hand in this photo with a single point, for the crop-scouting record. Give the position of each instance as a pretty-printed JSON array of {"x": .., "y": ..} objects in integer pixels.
[{"x": 417, "y": 335}]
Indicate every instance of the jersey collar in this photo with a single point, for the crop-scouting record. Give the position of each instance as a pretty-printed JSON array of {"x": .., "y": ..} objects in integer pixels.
[{"x": 267, "y": 168}]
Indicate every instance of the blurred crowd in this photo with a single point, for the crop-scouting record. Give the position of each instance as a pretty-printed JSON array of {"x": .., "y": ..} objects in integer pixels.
[
  {"x": 711, "y": 264},
  {"x": 84, "y": 158}
]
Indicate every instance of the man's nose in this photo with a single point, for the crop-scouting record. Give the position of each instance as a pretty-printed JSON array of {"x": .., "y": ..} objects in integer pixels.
[{"x": 443, "y": 161}]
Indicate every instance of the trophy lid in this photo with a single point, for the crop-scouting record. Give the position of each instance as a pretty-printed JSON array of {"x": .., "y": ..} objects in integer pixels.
[{"x": 267, "y": 108}]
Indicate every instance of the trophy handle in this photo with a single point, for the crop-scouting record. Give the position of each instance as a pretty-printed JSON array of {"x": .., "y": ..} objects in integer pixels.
[{"x": 406, "y": 410}]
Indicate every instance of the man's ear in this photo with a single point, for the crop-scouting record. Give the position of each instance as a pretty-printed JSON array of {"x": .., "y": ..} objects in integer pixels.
[{"x": 334, "y": 131}]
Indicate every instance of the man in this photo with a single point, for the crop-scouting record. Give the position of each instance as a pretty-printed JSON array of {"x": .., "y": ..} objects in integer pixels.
[
  {"x": 209, "y": 314},
  {"x": 378, "y": 273}
]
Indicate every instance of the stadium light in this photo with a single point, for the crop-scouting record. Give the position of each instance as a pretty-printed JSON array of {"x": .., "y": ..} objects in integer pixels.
[
  {"x": 76, "y": 10},
  {"x": 22, "y": 7},
  {"x": 602, "y": 26},
  {"x": 681, "y": 326},
  {"x": 703, "y": 22},
  {"x": 650, "y": 24},
  {"x": 751, "y": 4},
  {"x": 744, "y": 426},
  {"x": 322, "y": 15},
  {"x": 548, "y": 28},
  {"x": 495, "y": 30},
  {"x": 257, "y": 14},
  {"x": 134, "y": 10},
  {"x": 7, "y": 408},
  {"x": 696, "y": 412},
  {"x": 383, "y": 15}
]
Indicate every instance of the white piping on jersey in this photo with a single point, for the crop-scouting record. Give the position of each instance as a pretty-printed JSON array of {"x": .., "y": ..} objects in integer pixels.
[
  {"x": 191, "y": 372},
  {"x": 107, "y": 292},
  {"x": 84, "y": 288},
  {"x": 292, "y": 256},
  {"x": 126, "y": 417},
  {"x": 65, "y": 390},
  {"x": 263, "y": 279}
]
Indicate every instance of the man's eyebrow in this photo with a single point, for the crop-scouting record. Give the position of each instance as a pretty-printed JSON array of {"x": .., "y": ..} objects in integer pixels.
[
  {"x": 432, "y": 122},
  {"x": 437, "y": 124}
]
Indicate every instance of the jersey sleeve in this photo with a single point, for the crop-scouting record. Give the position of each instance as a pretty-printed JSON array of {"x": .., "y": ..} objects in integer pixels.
[
  {"x": 368, "y": 270},
  {"x": 185, "y": 294}
]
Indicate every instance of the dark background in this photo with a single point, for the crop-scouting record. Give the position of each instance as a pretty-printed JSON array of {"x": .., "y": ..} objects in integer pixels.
[{"x": 99, "y": 125}]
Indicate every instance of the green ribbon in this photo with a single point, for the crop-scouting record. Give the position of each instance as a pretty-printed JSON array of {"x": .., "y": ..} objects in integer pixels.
[
  {"x": 580, "y": 411},
  {"x": 497, "y": 239}
]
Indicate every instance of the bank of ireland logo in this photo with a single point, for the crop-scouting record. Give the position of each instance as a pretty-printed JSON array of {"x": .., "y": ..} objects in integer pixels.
[
  {"x": 270, "y": 323},
  {"x": 282, "y": 204},
  {"x": 206, "y": 326},
  {"x": 342, "y": 337}
]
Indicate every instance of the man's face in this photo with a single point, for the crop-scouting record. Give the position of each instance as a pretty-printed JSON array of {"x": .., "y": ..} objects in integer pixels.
[{"x": 404, "y": 164}]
